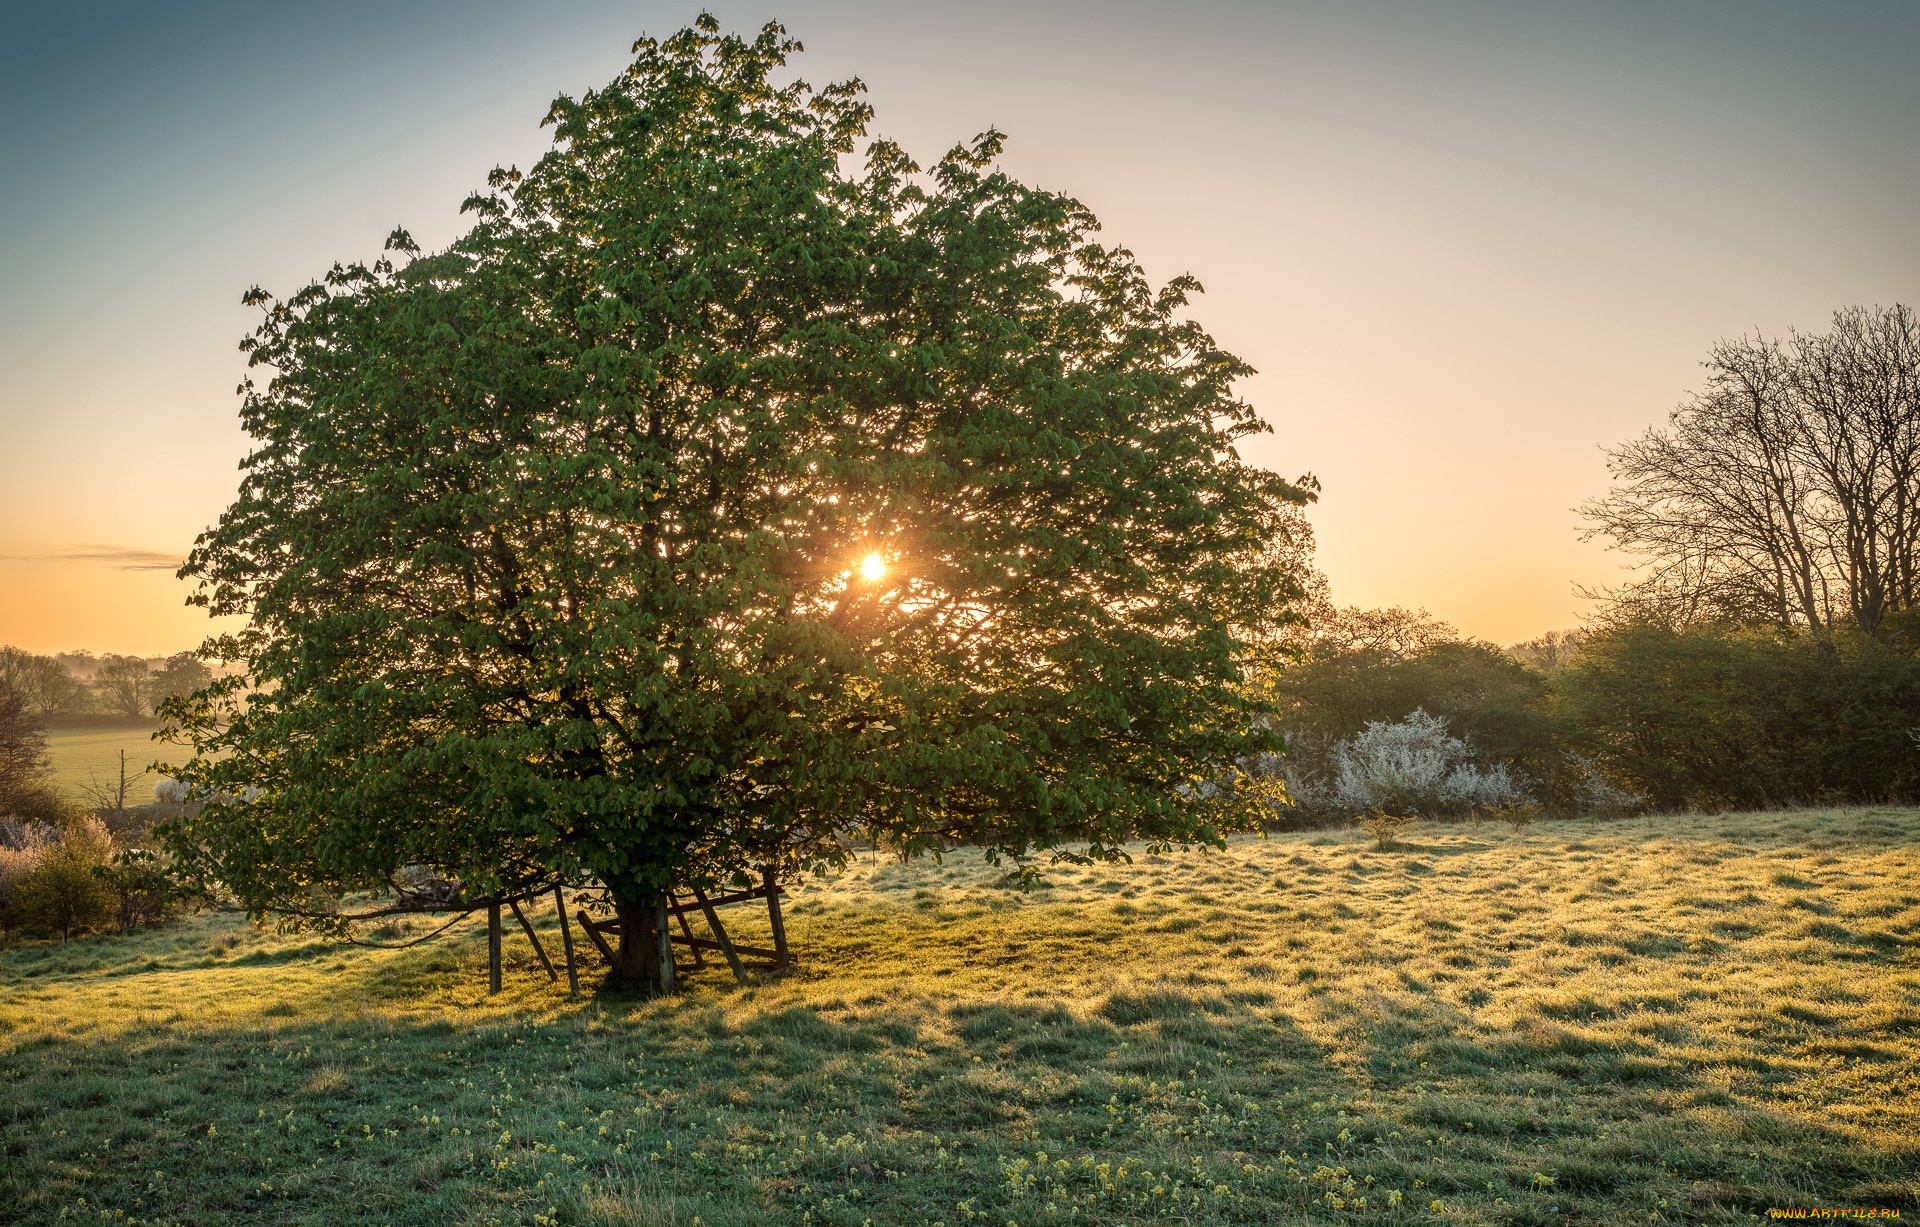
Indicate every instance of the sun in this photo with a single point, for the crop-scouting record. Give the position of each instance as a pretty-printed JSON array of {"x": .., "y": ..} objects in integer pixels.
[{"x": 873, "y": 567}]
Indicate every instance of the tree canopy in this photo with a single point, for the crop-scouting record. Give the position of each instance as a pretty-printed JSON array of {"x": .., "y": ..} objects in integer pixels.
[{"x": 719, "y": 492}]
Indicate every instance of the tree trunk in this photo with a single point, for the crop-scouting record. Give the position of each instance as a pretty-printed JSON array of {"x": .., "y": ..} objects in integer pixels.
[
  {"x": 637, "y": 957},
  {"x": 644, "y": 955}
]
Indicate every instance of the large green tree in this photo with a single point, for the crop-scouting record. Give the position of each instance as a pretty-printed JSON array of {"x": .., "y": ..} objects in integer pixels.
[{"x": 716, "y": 495}]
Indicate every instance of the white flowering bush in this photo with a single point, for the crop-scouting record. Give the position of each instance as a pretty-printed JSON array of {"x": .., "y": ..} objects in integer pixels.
[
  {"x": 170, "y": 792},
  {"x": 1415, "y": 765},
  {"x": 23, "y": 845}
]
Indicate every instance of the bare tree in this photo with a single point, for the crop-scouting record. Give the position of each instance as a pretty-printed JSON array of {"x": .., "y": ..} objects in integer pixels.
[
  {"x": 25, "y": 786},
  {"x": 1395, "y": 631},
  {"x": 43, "y": 684},
  {"x": 1549, "y": 652},
  {"x": 121, "y": 682},
  {"x": 1785, "y": 490},
  {"x": 110, "y": 795},
  {"x": 1858, "y": 388}
]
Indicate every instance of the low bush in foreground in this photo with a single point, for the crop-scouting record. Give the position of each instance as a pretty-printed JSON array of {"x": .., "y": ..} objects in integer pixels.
[
  {"x": 77, "y": 877},
  {"x": 51, "y": 876},
  {"x": 1678, "y": 1020}
]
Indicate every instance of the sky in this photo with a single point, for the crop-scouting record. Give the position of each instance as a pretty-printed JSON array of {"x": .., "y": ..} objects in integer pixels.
[{"x": 1467, "y": 245}]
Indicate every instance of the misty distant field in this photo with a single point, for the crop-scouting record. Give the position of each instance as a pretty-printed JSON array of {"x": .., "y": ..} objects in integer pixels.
[
  {"x": 80, "y": 755},
  {"x": 1675, "y": 1020}
]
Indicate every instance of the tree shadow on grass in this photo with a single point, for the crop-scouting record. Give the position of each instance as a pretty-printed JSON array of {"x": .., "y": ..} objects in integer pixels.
[
  {"x": 1611, "y": 1121},
  {"x": 320, "y": 1095}
]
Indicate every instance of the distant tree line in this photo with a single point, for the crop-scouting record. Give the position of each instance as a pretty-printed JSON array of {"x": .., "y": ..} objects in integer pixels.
[
  {"x": 1633, "y": 714},
  {"x": 1766, "y": 654},
  {"x": 72, "y": 684}
]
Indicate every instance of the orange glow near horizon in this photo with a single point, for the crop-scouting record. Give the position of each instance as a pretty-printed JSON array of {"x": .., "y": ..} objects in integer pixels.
[{"x": 1465, "y": 247}]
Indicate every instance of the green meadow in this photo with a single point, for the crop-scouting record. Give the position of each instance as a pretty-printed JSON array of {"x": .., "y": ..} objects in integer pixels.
[
  {"x": 83, "y": 757},
  {"x": 1676, "y": 1020}
]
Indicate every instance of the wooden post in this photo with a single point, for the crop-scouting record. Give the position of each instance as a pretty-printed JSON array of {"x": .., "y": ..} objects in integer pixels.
[
  {"x": 773, "y": 914},
  {"x": 663, "y": 935},
  {"x": 566, "y": 939},
  {"x": 493, "y": 945},
  {"x": 720, "y": 935},
  {"x": 593, "y": 935},
  {"x": 680, "y": 915},
  {"x": 534, "y": 938}
]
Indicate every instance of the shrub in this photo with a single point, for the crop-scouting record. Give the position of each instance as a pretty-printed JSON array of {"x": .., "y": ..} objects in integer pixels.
[
  {"x": 143, "y": 894},
  {"x": 1486, "y": 697},
  {"x": 1518, "y": 815},
  {"x": 1384, "y": 827},
  {"x": 23, "y": 844},
  {"x": 1594, "y": 793},
  {"x": 64, "y": 892},
  {"x": 1415, "y": 767},
  {"x": 1708, "y": 718}
]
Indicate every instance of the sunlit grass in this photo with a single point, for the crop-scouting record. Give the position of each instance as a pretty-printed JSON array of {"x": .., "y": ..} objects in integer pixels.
[{"x": 1674, "y": 1020}]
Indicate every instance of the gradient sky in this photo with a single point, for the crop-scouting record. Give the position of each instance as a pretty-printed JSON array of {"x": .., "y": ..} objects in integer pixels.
[{"x": 1467, "y": 245}]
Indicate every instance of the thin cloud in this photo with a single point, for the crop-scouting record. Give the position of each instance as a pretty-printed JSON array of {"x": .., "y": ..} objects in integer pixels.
[{"x": 118, "y": 557}]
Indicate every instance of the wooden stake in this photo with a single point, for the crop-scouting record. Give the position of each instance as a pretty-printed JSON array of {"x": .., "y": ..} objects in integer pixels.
[
  {"x": 493, "y": 945},
  {"x": 780, "y": 959},
  {"x": 680, "y": 914},
  {"x": 720, "y": 935},
  {"x": 593, "y": 935},
  {"x": 534, "y": 938},
  {"x": 744, "y": 951},
  {"x": 664, "y": 936},
  {"x": 566, "y": 939}
]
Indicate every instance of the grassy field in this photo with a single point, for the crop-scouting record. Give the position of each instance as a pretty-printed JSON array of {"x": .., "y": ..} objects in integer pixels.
[
  {"x": 1651, "y": 1021},
  {"x": 83, "y": 756}
]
